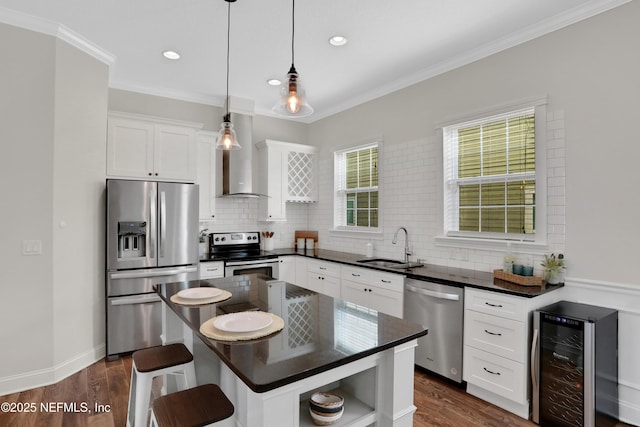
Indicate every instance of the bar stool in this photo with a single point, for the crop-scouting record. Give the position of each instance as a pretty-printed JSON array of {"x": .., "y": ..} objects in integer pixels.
[
  {"x": 151, "y": 363},
  {"x": 205, "y": 405}
]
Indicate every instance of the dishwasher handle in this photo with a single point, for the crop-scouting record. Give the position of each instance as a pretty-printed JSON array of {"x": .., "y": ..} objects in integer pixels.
[
  {"x": 433, "y": 294},
  {"x": 151, "y": 298}
]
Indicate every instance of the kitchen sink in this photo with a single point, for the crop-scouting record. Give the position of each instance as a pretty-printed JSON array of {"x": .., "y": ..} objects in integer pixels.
[{"x": 389, "y": 263}]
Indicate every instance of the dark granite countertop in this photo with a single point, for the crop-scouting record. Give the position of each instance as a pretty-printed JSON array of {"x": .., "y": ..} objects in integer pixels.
[
  {"x": 320, "y": 332},
  {"x": 433, "y": 273}
]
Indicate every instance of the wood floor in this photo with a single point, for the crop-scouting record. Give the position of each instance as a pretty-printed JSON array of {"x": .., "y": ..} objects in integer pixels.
[{"x": 107, "y": 383}]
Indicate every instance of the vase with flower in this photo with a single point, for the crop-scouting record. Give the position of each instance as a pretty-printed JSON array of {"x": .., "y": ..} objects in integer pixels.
[{"x": 553, "y": 266}]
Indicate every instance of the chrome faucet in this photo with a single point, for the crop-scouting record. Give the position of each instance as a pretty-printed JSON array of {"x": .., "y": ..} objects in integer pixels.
[{"x": 407, "y": 252}]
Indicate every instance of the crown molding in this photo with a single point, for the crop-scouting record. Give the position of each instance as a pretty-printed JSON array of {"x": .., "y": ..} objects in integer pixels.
[
  {"x": 198, "y": 98},
  {"x": 54, "y": 29},
  {"x": 584, "y": 11}
]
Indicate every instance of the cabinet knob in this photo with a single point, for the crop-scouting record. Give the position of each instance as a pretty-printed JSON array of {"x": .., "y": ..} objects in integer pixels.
[
  {"x": 156, "y": 173},
  {"x": 150, "y": 174}
]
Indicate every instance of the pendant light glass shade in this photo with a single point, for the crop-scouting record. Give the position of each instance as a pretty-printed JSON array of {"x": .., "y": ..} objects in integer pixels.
[
  {"x": 227, "y": 138},
  {"x": 293, "y": 101}
]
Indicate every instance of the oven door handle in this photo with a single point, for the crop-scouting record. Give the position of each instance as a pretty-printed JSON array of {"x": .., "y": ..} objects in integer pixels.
[{"x": 252, "y": 262}]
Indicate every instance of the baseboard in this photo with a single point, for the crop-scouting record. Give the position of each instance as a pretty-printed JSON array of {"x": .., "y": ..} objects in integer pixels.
[
  {"x": 629, "y": 402},
  {"x": 44, "y": 377}
]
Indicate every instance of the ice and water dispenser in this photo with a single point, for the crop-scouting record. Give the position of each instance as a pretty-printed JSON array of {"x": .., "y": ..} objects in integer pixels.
[{"x": 132, "y": 236}]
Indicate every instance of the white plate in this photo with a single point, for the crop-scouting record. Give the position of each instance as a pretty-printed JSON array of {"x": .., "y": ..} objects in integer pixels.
[
  {"x": 199, "y": 293},
  {"x": 244, "y": 321}
]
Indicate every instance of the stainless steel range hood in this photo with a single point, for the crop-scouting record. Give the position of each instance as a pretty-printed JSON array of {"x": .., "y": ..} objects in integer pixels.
[{"x": 237, "y": 165}]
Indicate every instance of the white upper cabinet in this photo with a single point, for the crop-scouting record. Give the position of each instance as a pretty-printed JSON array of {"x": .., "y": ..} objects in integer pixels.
[
  {"x": 207, "y": 157},
  {"x": 152, "y": 148},
  {"x": 287, "y": 173}
]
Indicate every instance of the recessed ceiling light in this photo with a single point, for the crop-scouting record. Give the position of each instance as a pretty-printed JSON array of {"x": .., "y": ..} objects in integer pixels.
[
  {"x": 338, "y": 41},
  {"x": 170, "y": 54},
  {"x": 274, "y": 82}
]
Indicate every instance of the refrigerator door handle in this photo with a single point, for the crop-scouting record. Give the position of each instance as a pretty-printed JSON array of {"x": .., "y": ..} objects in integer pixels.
[
  {"x": 535, "y": 366},
  {"x": 136, "y": 300},
  {"x": 151, "y": 230},
  {"x": 146, "y": 273},
  {"x": 163, "y": 221}
]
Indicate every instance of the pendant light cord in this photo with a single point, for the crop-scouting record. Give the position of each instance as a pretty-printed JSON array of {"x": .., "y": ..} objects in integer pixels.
[
  {"x": 293, "y": 30},
  {"x": 228, "y": 49}
]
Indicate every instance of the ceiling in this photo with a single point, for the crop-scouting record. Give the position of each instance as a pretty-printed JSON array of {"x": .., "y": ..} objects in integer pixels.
[{"x": 392, "y": 44}]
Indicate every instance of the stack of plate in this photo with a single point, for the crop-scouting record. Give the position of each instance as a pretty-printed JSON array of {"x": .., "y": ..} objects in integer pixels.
[
  {"x": 202, "y": 293},
  {"x": 244, "y": 322}
]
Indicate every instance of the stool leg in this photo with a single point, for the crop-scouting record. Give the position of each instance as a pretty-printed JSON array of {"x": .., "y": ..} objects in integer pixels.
[
  {"x": 190, "y": 375},
  {"x": 143, "y": 397},
  {"x": 154, "y": 421},
  {"x": 132, "y": 400}
]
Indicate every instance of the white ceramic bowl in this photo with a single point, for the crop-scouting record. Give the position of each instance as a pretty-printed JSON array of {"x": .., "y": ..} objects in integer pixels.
[
  {"x": 325, "y": 408},
  {"x": 325, "y": 419}
]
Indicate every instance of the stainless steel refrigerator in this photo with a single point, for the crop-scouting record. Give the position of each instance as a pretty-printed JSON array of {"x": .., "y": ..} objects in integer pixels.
[{"x": 152, "y": 238}]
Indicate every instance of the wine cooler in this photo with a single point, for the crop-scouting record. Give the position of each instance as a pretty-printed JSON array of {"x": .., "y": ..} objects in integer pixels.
[{"x": 574, "y": 365}]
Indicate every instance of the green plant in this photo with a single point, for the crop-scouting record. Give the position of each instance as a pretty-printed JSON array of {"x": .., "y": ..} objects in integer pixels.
[
  {"x": 203, "y": 235},
  {"x": 552, "y": 264}
]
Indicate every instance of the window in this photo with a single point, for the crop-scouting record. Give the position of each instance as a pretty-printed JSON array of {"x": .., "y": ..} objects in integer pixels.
[
  {"x": 490, "y": 182},
  {"x": 356, "y": 188}
]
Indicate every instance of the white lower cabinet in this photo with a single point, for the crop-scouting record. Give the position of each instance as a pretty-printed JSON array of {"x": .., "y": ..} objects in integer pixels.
[
  {"x": 287, "y": 269},
  {"x": 301, "y": 271},
  {"x": 211, "y": 269},
  {"x": 497, "y": 345},
  {"x": 323, "y": 277},
  {"x": 374, "y": 289}
]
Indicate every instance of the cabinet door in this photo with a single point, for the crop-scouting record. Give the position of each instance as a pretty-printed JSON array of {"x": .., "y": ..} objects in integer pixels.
[
  {"x": 314, "y": 282},
  {"x": 175, "y": 153},
  {"x": 206, "y": 175},
  {"x": 287, "y": 269},
  {"x": 354, "y": 292},
  {"x": 386, "y": 301},
  {"x": 129, "y": 148},
  {"x": 301, "y": 271},
  {"x": 276, "y": 170}
]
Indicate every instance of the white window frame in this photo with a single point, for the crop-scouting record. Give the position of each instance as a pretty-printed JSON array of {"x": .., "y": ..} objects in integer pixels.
[
  {"x": 340, "y": 191},
  {"x": 483, "y": 240}
]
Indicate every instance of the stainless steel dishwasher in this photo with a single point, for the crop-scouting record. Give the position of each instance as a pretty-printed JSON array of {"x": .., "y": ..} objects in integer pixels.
[{"x": 440, "y": 308}]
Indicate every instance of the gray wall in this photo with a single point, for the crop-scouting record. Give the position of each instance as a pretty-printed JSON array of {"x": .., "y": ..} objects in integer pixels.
[{"x": 53, "y": 135}]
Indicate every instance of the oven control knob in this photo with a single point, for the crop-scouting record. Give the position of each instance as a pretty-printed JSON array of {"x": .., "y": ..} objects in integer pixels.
[
  {"x": 254, "y": 237},
  {"x": 223, "y": 239},
  {"x": 217, "y": 239}
]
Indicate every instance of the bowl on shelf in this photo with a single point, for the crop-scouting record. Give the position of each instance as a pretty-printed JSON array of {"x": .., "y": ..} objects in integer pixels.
[{"x": 325, "y": 408}]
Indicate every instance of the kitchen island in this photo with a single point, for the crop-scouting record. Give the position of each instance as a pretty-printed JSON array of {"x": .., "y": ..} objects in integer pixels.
[{"x": 326, "y": 344}]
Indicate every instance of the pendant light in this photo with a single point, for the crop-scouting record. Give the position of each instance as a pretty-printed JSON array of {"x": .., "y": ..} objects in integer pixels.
[
  {"x": 293, "y": 102},
  {"x": 227, "y": 138}
]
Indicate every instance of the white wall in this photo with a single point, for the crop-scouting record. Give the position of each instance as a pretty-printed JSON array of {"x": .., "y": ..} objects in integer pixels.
[
  {"x": 53, "y": 113},
  {"x": 79, "y": 163},
  {"x": 590, "y": 75},
  {"x": 26, "y": 170}
]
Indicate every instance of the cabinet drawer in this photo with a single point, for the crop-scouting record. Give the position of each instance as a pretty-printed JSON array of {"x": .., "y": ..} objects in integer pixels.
[
  {"x": 323, "y": 267},
  {"x": 497, "y": 335},
  {"x": 380, "y": 279},
  {"x": 501, "y": 376},
  {"x": 496, "y": 304},
  {"x": 210, "y": 270}
]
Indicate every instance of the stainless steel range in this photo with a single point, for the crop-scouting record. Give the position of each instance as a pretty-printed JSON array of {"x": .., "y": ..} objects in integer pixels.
[{"x": 242, "y": 254}]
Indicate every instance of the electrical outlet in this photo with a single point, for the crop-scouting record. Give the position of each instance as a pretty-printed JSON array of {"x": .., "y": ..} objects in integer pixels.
[{"x": 32, "y": 247}]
